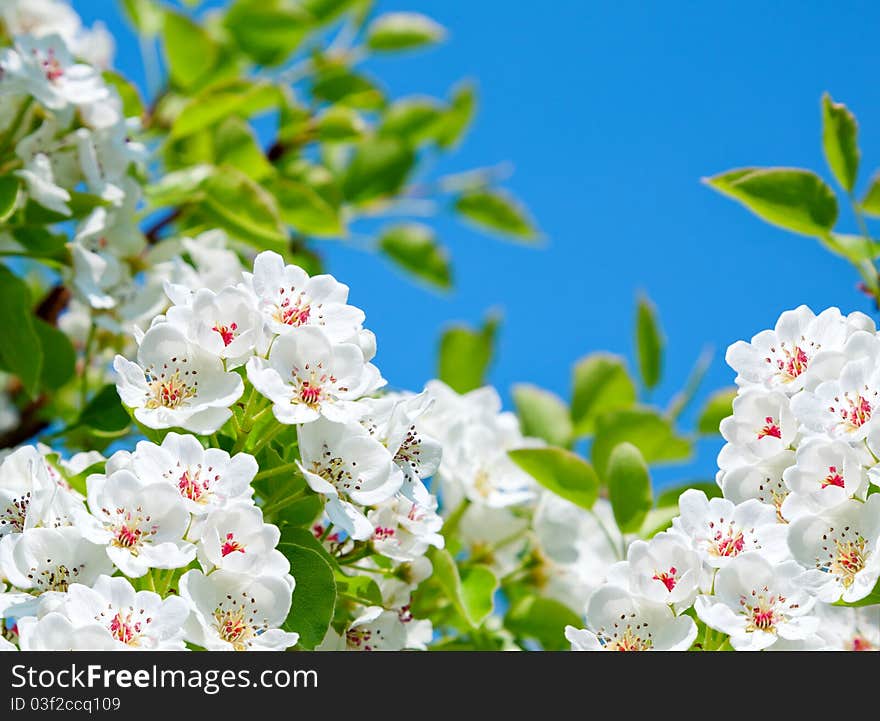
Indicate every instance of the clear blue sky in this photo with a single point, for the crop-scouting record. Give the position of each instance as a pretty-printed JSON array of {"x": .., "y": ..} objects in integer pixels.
[{"x": 611, "y": 113}]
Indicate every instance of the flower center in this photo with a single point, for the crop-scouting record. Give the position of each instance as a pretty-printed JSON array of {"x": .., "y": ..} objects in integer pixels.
[
  {"x": 629, "y": 641},
  {"x": 233, "y": 627},
  {"x": 861, "y": 644},
  {"x": 762, "y": 611},
  {"x": 771, "y": 428},
  {"x": 51, "y": 66},
  {"x": 855, "y": 412},
  {"x": 310, "y": 387},
  {"x": 833, "y": 478},
  {"x": 360, "y": 639},
  {"x": 792, "y": 363},
  {"x": 168, "y": 392},
  {"x": 335, "y": 471},
  {"x": 12, "y": 518},
  {"x": 294, "y": 313},
  {"x": 850, "y": 559},
  {"x": 667, "y": 578},
  {"x": 124, "y": 629},
  {"x": 230, "y": 545},
  {"x": 227, "y": 332},
  {"x": 382, "y": 534},
  {"x": 728, "y": 545},
  {"x": 191, "y": 487},
  {"x": 131, "y": 529}
]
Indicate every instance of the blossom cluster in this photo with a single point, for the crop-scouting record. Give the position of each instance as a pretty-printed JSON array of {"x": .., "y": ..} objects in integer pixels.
[{"x": 797, "y": 527}]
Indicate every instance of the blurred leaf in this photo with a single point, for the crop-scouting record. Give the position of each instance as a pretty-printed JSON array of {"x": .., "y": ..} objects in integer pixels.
[
  {"x": 105, "y": 412},
  {"x": 178, "y": 186},
  {"x": 217, "y": 102},
  {"x": 670, "y": 496},
  {"x": 59, "y": 357},
  {"x": 145, "y": 15},
  {"x": 132, "y": 104},
  {"x": 629, "y": 487},
  {"x": 306, "y": 210},
  {"x": 235, "y": 144},
  {"x": 840, "y": 142},
  {"x": 412, "y": 119},
  {"x": 9, "y": 187},
  {"x": 339, "y": 84},
  {"x": 564, "y": 473},
  {"x": 871, "y": 202},
  {"x": 403, "y": 31},
  {"x": 681, "y": 400},
  {"x": 855, "y": 248},
  {"x": 646, "y": 429},
  {"x": 496, "y": 210},
  {"x": 42, "y": 243},
  {"x": 267, "y": 30},
  {"x": 314, "y": 598},
  {"x": 414, "y": 248},
  {"x": 326, "y": 10},
  {"x": 379, "y": 168},
  {"x": 601, "y": 384},
  {"x": 190, "y": 51},
  {"x": 80, "y": 204},
  {"x": 451, "y": 126},
  {"x": 542, "y": 619},
  {"x": 791, "y": 198},
  {"x": 472, "y": 595},
  {"x": 244, "y": 209},
  {"x": 340, "y": 124},
  {"x": 649, "y": 343},
  {"x": 465, "y": 355},
  {"x": 717, "y": 408},
  {"x": 542, "y": 414},
  {"x": 20, "y": 352}
]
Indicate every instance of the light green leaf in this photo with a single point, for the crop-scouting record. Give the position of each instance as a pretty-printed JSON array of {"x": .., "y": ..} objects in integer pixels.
[
  {"x": 563, "y": 472},
  {"x": 59, "y": 357},
  {"x": 646, "y": 429},
  {"x": 145, "y": 15},
  {"x": 791, "y": 198},
  {"x": 132, "y": 105},
  {"x": 871, "y": 202},
  {"x": 306, "y": 210},
  {"x": 855, "y": 248},
  {"x": 497, "y": 210},
  {"x": 326, "y": 10},
  {"x": 413, "y": 119},
  {"x": 236, "y": 144},
  {"x": 379, "y": 168},
  {"x": 363, "y": 588},
  {"x": 452, "y": 125},
  {"x": 465, "y": 355},
  {"x": 629, "y": 487},
  {"x": 403, "y": 31},
  {"x": 339, "y": 84},
  {"x": 339, "y": 124},
  {"x": 542, "y": 619},
  {"x": 244, "y": 209},
  {"x": 414, "y": 248},
  {"x": 9, "y": 188},
  {"x": 840, "y": 142},
  {"x": 105, "y": 413},
  {"x": 21, "y": 352},
  {"x": 190, "y": 51},
  {"x": 314, "y": 598},
  {"x": 649, "y": 343},
  {"x": 542, "y": 414},
  {"x": 244, "y": 98},
  {"x": 473, "y": 595},
  {"x": 267, "y": 30},
  {"x": 178, "y": 186},
  {"x": 717, "y": 408},
  {"x": 601, "y": 384}
]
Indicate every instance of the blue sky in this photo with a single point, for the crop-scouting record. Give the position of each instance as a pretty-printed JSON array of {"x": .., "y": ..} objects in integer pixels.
[{"x": 611, "y": 113}]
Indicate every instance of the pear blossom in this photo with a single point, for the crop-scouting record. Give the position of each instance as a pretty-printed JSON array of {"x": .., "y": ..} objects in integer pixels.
[
  {"x": 375, "y": 630},
  {"x": 29, "y": 496},
  {"x": 176, "y": 383},
  {"x": 849, "y": 629},
  {"x": 55, "y": 632},
  {"x": 350, "y": 469},
  {"x": 42, "y": 186},
  {"x": 135, "y": 620},
  {"x": 802, "y": 350},
  {"x": 617, "y": 621},
  {"x": 759, "y": 479},
  {"x": 762, "y": 423},
  {"x": 757, "y": 602},
  {"x": 497, "y": 536},
  {"x": 237, "y": 612},
  {"x": 141, "y": 523},
  {"x": 720, "y": 530},
  {"x": 206, "y": 479},
  {"x": 403, "y": 530},
  {"x": 308, "y": 376},
  {"x": 840, "y": 546},
  {"x": 235, "y": 538},
  {"x": 50, "y": 559},
  {"x": 289, "y": 299}
]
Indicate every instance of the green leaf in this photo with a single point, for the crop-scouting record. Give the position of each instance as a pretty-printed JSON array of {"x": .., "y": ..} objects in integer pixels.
[
  {"x": 542, "y": 414},
  {"x": 268, "y": 31},
  {"x": 59, "y": 357},
  {"x": 451, "y": 126},
  {"x": 40, "y": 242},
  {"x": 542, "y": 619},
  {"x": 9, "y": 188},
  {"x": 403, "y": 31},
  {"x": 649, "y": 343},
  {"x": 379, "y": 168},
  {"x": 791, "y": 198},
  {"x": 465, "y": 355},
  {"x": 339, "y": 84},
  {"x": 717, "y": 408},
  {"x": 190, "y": 51},
  {"x": 301, "y": 512},
  {"x": 306, "y": 210},
  {"x": 326, "y": 10},
  {"x": 340, "y": 124},
  {"x": 20, "y": 352},
  {"x": 244, "y": 209},
  {"x": 629, "y": 487},
  {"x": 840, "y": 142},
  {"x": 472, "y": 596},
  {"x": 497, "y": 210},
  {"x": 80, "y": 204},
  {"x": 646, "y": 429},
  {"x": 304, "y": 537},
  {"x": 414, "y": 248},
  {"x": 563, "y": 472},
  {"x": 872, "y": 599},
  {"x": 132, "y": 105},
  {"x": 871, "y": 202},
  {"x": 855, "y": 248},
  {"x": 601, "y": 384},
  {"x": 413, "y": 119},
  {"x": 178, "y": 186},
  {"x": 362, "y": 588},
  {"x": 217, "y": 102},
  {"x": 314, "y": 598},
  {"x": 145, "y": 15},
  {"x": 236, "y": 144},
  {"x": 105, "y": 412}
]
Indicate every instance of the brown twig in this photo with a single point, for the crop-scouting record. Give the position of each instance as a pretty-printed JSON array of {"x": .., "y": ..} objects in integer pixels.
[{"x": 152, "y": 233}]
